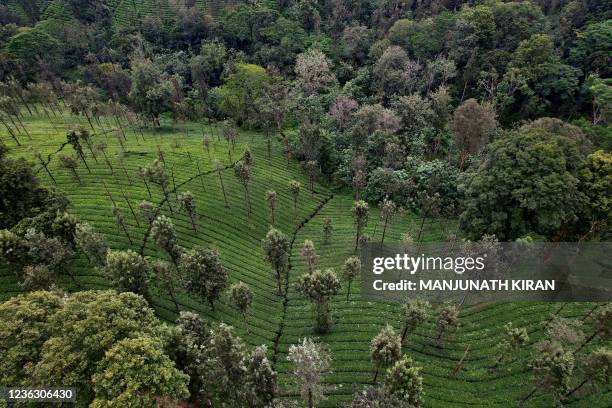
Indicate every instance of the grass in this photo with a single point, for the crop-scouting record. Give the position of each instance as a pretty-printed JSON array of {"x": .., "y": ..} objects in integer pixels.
[{"x": 272, "y": 320}]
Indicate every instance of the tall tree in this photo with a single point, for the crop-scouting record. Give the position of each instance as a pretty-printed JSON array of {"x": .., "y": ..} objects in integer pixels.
[
  {"x": 294, "y": 189},
  {"x": 413, "y": 313},
  {"x": 310, "y": 363},
  {"x": 271, "y": 201},
  {"x": 403, "y": 379},
  {"x": 532, "y": 184},
  {"x": 320, "y": 287},
  {"x": 385, "y": 349},
  {"x": 351, "y": 269},
  {"x": 472, "y": 125},
  {"x": 243, "y": 173},
  {"x": 261, "y": 379},
  {"x": 360, "y": 217},
  {"x": 164, "y": 233},
  {"x": 128, "y": 271},
  {"x": 387, "y": 210},
  {"x": 448, "y": 320},
  {"x": 310, "y": 255},
  {"x": 276, "y": 251},
  {"x": 241, "y": 297},
  {"x": 186, "y": 202},
  {"x": 204, "y": 273}
]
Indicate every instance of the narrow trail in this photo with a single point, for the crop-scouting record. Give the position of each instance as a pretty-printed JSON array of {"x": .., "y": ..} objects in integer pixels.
[{"x": 281, "y": 325}]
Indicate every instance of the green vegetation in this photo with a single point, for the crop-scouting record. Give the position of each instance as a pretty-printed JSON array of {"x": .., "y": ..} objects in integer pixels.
[{"x": 186, "y": 188}]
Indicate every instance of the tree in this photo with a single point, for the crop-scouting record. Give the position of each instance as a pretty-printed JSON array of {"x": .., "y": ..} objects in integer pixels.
[
  {"x": 189, "y": 343},
  {"x": 377, "y": 397},
  {"x": 327, "y": 230},
  {"x": 414, "y": 312},
  {"x": 312, "y": 168},
  {"x": 70, "y": 163},
  {"x": 601, "y": 323},
  {"x": 241, "y": 297},
  {"x": 596, "y": 182},
  {"x": 359, "y": 182},
  {"x": 74, "y": 137},
  {"x": 83, "y": 331},
  {"x": 137, "y": 372},
  {"x": 92, "y": 244},
  {"x": 516, "y": 337},
  {"x": 310, "y": 363},
  {"x": 271, "y": 201},
  {"x": 240, "y": 91},
  {"x": 228, "y": 365},
  {"x": 148, "y": 212},
  {"x": 385, "y": 349},
  {"x": 552, "y": 369},
  {"x": 37, "y": 277},
  {"x": 341, "y": 111},
  {"x": 314, "y": 72},
  {"x": 230, "y": 134},
  {"x": 151, "y": 91},
  {"x": 320, "y": 287},
  {"x": 472, "y": 125},
  {"x": 261, "y": 379},
  {"x": 243, "y": 173},
  {"x": 294, "y": 189},
  {"x": 387, "y": 209},
  {"x": 164, "y": 233},
  {"x": 204, "y": 273},
  {"x": 310, "y": 255},
  {"x": 128, "y": 271},
  {"x": 597, "y": 370},
  {"x": 360, "y": 217},
  {"x": 351, "y": 269},
  {"x": 448, "y": 320},
  {"x": 52, "y": 251},
  {"x": 531, "y": 183},
  {"x": 121, "y": 221},
  {"x": 186, "y": 202},
  {"x": 167, "y": 276},
  {"x": 403, "y": 380},
  {"x": 24, "y": 326},
  {"x": 276, "y": 251},
  {"x": 156, "y": 173}
]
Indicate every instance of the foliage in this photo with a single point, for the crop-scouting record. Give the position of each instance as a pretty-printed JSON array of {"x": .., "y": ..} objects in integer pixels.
[
  {"x": 385, "y": 349},
  {"x": 128, "y": 271},
  {"x": 276, "y": 251},
  {"x": 311, "y": 361},
  {"x": 531, "y": 183},
  {"x": 320, "y": 286},
  {"x": 204, "y": 273},
  {"x": 403, "y": 379}
]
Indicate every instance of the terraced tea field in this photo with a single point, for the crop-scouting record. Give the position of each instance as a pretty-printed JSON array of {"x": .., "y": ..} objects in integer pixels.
[{"x": 274, "y": 320}]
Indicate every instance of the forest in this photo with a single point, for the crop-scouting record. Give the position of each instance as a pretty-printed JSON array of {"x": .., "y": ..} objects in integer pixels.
[{"x": 187, "y": 187}]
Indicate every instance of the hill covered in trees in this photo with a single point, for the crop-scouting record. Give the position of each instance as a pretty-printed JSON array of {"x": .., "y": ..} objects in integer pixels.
[{"x": 205, "y": 175}]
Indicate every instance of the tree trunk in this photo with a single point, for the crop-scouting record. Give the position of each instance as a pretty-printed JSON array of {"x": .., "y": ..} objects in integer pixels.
[
  {"x": 376, "y": 373},
  {"x": 223, "y": 189},
  {"x": 382, "y": 239},
  {"x": 404, "y": 333},
  {"x": 421, "y": 228},
  {"x": 348, "y": 292}
]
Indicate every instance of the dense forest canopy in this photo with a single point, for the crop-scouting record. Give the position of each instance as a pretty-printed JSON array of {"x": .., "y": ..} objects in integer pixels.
[{"x": 411, "y": 92}]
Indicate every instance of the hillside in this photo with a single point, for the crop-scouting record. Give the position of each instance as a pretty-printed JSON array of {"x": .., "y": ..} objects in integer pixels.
[{"x": 274, "y": 320}]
